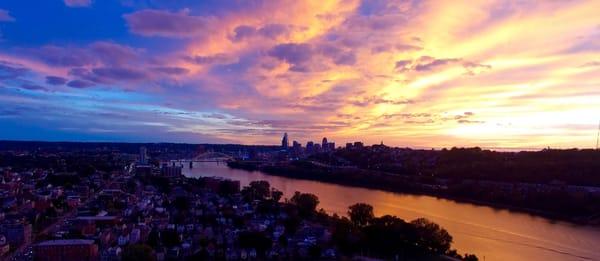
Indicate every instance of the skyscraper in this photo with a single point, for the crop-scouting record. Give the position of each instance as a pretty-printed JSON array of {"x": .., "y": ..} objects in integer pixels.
[
  {"x": 143, "y": 156},
  {"x": 324, "y": 144},
  {"x": 310, "y": 147},
  {"x": 284, "y": 142}
]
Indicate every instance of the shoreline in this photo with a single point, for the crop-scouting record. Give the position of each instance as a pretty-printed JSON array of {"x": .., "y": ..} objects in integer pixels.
[{"x": 551, "y": 216}]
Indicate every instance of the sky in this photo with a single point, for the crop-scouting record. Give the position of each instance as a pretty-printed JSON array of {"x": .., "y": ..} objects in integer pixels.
[{"x": 432, "y": 74}]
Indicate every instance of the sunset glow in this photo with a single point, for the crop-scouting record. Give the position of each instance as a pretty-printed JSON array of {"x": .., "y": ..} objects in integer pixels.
[{"x": 495, "y": 74}]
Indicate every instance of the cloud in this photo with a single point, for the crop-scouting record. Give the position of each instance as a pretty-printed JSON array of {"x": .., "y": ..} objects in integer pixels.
[
  {"x": 5, "y": 16},
  {"x": 55, "y": 80},
  {"x": 112, "y": 53},
  {"x": 590, "y": 64},
  {"x": 63, "y": 56},
  {"x": 220, "y": 58},
  {"x": 463, "y": 121},
  {"x": 242, "y": 32},
  {"x": 163, "y": 23},
  {"x": 216, "y": 116},
  {"x": 375, "y": 100},
  {"x": 424, "y": 64},
  {"x": 274, "y": 30},
  {"x": 11, "y": 71},
  {"x": 95, "y": 53},
  {"x": 292, "y": 53},
  {"x": 171, "y": 70},
  {"x": 305, "y": 57},
  {"x": 270, "y": 31},
  {"x": 338, "y": 55},
  {"x": 378, "y": 69},
  {"x": 394, "y": 48},
  {"x": 33, "y": 87},
  {"x": 79, "y": 84},
  {"x": 119, "y": 73},
  {"x": 403, "y": 65},
  {"x": 476, "y": 68},
  {"x": 78, "y": 3}
]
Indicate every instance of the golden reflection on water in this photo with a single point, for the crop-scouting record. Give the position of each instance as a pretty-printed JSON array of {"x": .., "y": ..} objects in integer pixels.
[{"x": 487, "y": 232}]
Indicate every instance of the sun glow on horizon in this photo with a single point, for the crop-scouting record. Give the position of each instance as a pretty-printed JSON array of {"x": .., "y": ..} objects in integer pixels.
[{"x": 411, "y": 73}]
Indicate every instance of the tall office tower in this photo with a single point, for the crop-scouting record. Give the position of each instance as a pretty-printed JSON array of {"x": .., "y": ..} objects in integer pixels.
[
  {"x": 310, "y": 147},
  {"x": 143, "y": 156},
  {"x": 284, "y": 142}
]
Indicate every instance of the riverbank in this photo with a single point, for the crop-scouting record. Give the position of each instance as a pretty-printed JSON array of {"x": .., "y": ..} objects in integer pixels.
[{"x": 399, "y": 184}]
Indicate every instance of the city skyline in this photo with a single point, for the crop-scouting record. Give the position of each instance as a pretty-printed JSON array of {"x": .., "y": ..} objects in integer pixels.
[{"x": 425, "y": 74}]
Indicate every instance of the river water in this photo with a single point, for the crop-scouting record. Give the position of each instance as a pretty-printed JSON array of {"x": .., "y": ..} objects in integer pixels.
[{"x": 490, "y": 233}]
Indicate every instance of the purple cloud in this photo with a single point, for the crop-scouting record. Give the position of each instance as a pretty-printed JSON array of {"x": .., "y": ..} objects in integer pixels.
[
  {"x": 243, "y": 31},
  {"x": 112, "y": 53},
  {"x": 78, "y": 3},
  {"x": 79, "y": 84},
  {"x": 108, "y": 74},
  {"x": 299, "y": 56},
  {"x": 219, "y": 58},
  {"x": 64, "y": 57},
  {"x": 427, "y": 64},
  {"x": 271, "y": 31},
  {"x": 402, "y": 65},
  {"x": 119, "y": 73},
  {"x": 292, "y": 53},
  {"x": 372, "y": 100},
  {"x": 95, "y": 53},
  {"x": 171, "y": 70},
  {"x": 5, "y": 16},
  {"x": 11, "y": 71},
  {"x": 338, "y": 55},
  {"x": 86, "y": 74},
  {"x": 167, "y": 24},
  {"x": 55, "y": 80},
  {"x": 33, "y": 87},
  {"x": 397, "y": 47},
  {"x": 274, "y": 30}
]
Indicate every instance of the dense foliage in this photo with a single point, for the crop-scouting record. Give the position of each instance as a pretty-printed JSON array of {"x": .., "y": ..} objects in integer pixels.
[{"x": 576, "y": 167}]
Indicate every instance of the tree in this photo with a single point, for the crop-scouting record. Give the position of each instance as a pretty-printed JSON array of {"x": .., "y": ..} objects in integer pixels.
[
  {"x": 361, "y": 214},
  {"x": 256, "y": 240},
  {"x": 138, "y": 252},
  {"x": 154, "y": 238},
  {"x": 431, "y": 236},
  {"x": 258, "y": 189},
  {"x": 305, "y": 202},
  {"x": 170, "y": 238},
  {"x": 181, "y": 203},
  {"x": 276, "y": 195}
]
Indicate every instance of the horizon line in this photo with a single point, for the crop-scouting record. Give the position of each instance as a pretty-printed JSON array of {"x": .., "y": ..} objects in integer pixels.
[{"x": 501, "y": 149}]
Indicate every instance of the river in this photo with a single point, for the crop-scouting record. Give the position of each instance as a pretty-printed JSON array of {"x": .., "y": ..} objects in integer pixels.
[{"x": 490, "y": 233}]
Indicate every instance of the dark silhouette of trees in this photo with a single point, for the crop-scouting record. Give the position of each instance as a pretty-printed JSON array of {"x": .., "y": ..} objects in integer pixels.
[
  {"x": 390, "y": 237},
  {"x": 305, "y": 202},
  {"x": 432, "y": 236},
  {"x": 256, "y": 240},
  {"x": 276, "y": 195},
  {"x": 138, "y": 252},
  {"x": 170, "y": 238},
  {"x": 256, "y": 190},
  {"x": 181, "y": 203},
  {"x": 361, "y": 214}
]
